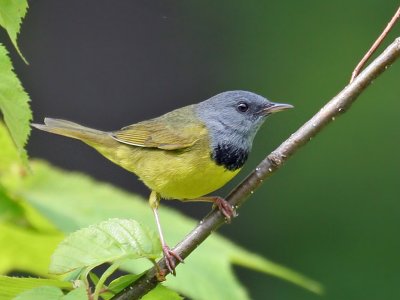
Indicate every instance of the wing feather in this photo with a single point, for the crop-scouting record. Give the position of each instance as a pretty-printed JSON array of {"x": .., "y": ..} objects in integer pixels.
[{"x": 158, "y": 134}]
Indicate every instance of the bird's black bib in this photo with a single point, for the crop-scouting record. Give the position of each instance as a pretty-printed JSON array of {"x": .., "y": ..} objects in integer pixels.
[{"x": 229, "y": 156}]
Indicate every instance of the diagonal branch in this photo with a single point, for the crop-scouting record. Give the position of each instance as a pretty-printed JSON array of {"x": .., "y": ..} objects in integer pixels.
[{"x": 333, "y": 109}]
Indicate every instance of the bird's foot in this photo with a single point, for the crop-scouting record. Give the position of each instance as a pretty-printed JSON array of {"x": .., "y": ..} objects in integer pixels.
[
  {"x": 225, "y": 208},
  {"x": 170, "y": 258}
]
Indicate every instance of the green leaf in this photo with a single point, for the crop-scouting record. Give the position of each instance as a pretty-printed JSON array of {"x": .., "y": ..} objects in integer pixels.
[
  {"x": 259, "y": 263},
  {"x": 108, "y": 241},
  {"x": 159, "y": 293},
  {"x": 12, "y": 286},
  {"x": 40, "y": 293},
  {"x": 9, "y": 156},
  {"x": 76, "y": 294},
  {"x": 122, "y": 282},
  {"x": 14, "y": 104},
  {"x": 36, "y": 221},
  {"x": 11, "y": 14},
  {"x": 9, "y": 209},
  {"x": 162, "y": 293},
  {"x": 26, "y": 250},
  {"x": 207, "y": 273},
  {"x": 52, "y": 293},
  {"x": 94, "y": 278}
]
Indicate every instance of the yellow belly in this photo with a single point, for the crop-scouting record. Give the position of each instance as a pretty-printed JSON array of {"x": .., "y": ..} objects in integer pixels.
[
  {"x": 183, "y": 181},
  {"x": 179, "y": 174}
]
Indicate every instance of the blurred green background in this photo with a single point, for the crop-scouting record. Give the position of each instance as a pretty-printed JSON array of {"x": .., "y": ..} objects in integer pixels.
[{"x": 332, "y": 212}]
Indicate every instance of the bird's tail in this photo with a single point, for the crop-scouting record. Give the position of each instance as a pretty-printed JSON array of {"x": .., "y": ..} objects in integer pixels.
[{"x": 73, "y": 130}]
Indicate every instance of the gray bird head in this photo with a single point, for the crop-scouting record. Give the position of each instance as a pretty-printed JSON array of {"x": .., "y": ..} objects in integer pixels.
[{"x": 233, "y": 119}]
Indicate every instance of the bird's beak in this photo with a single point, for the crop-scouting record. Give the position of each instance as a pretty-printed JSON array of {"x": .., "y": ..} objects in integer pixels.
[{"x": 275, "y": 107}]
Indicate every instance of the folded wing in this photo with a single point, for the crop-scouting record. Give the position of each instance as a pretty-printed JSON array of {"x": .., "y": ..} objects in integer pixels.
[{"x": 161, "y": 135}]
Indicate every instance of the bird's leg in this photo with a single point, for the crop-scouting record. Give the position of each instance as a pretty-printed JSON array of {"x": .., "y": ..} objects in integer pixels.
[
  {"x": 169, "y": 255},
  {"x": 223, "y": 206}
]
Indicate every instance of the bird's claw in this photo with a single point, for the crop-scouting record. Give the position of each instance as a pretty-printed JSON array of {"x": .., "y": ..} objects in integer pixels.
[
  {"x": 225, "y": 208},
  {"x": 170, "y": 258}
]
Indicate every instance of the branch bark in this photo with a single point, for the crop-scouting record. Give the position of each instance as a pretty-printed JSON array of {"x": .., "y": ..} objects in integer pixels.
[{"x": 333, "y": 109}]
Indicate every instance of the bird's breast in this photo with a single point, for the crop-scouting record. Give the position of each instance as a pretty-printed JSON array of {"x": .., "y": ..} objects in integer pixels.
[
  {"x": 229, "y": 155},
  {"x": 182, "y": 174}
]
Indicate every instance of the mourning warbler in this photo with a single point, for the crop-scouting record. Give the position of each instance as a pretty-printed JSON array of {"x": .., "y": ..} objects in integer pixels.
[{"x": 184, "y": 154}]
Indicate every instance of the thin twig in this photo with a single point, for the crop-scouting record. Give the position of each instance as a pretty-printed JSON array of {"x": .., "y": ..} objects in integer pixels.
[
  {"x": 373, "y": 48},
  {"x": 334, "y": 108}
]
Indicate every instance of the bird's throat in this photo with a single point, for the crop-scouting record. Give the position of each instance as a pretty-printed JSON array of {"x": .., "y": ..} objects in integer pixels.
[{"x": 229, "y": 156}]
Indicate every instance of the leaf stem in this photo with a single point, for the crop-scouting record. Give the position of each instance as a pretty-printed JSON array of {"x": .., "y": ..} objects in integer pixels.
[{"x": 99, "y": 286}]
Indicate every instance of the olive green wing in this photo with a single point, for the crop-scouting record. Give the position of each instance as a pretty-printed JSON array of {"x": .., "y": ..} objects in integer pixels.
[{"x": 161, "y": 135}]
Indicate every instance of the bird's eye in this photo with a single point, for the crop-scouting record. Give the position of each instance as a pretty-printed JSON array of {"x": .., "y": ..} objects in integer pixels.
[{"x": 242, "y": 107}]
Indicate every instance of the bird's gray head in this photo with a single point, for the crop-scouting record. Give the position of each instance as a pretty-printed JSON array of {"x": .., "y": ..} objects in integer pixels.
[{"x": 233, "y": 119}]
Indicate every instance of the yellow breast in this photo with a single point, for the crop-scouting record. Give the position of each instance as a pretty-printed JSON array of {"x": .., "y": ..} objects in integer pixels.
[
  {"x": 187, "y": 177},
  {"x": 179, "y": 174}
]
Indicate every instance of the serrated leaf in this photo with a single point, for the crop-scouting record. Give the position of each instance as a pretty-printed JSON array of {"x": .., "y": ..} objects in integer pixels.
[
  {"x": 12, "y": 286},
  {"x": 52, "y": 293},
  {"x": 207, "y": 273},
  {"x": 108, "y": 241},
  {"x": 11, "y": 14},
  {"x": 8, "y": 152},
  {"x": 14, "y": 104},
  {"x": 26, "y": 250}
]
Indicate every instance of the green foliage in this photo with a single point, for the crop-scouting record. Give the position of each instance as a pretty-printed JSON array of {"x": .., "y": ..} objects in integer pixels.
[
  {"x": 113, "y": 241},
  {"x": 42, "y": 292},
  {"x": 52, "y": 293},
  {"x": 109, "y": 241},
  {"x": 119, "y": 284},
  {"x": 76, "y": 294},
  {"x": 90, "y": 202},
  {"x": 159, "y": 293},
  {"x": 9, "y": 209},
  {"x": 11, "y": 14},
  {"x": 13, "y": 286},
  {"x": 9, "y": 155},
  {"x": 14, "y": 104},
  {"x": 259, "y": 263},
  {"x": 93, "y": 277},
  {"x": 25, "y": 249},
  {"x": 162, "y": 293}
]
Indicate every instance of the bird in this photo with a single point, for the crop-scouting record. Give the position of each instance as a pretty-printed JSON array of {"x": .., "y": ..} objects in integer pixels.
[{"x": 185, "y": 154}]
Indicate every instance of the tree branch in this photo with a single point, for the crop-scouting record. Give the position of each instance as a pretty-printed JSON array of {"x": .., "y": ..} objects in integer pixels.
[
  {"x": 375, "y": 45},
  {"x": 334, "y": 108}
]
